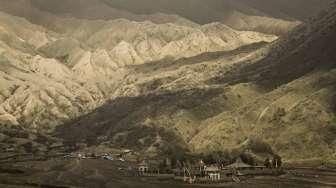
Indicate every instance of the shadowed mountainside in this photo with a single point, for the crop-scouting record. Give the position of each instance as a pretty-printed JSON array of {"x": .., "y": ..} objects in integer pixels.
[
  {"x": 169, "y": 81},
  {"x": 283, "y": 94},
  {"x": 53, "y": 74}
]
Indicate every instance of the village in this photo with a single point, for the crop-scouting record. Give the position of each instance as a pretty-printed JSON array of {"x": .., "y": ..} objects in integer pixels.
[
  {"x": 203, "y": 173},
  {"x": 179, "y": 169},
  {"x": 193, "y": 170}
]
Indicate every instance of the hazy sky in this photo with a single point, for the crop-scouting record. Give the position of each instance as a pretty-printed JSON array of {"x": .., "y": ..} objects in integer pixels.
[
  {"x": 299, "y": 9},
  {"x": 201, "y": 11}
]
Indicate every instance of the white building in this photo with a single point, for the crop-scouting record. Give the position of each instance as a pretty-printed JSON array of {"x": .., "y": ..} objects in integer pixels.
[{"x": 213, "y": 172}]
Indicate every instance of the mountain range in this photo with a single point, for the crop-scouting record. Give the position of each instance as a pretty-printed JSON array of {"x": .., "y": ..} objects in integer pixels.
[{"x": 170, "y": 79}]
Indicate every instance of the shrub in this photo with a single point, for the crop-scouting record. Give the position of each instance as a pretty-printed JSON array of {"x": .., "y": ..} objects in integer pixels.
[{"x": 260, "y": 146}]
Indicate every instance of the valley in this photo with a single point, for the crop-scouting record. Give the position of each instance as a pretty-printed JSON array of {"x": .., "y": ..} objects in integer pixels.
[
  {"x": 62, "y": 173},
  {"x": 165, "y": 80}
]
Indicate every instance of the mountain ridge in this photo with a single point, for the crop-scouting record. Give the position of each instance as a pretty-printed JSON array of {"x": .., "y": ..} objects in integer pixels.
[
  {"x": 244, "y": 97},
  {"x": 91, "y": 61},
  {"x": 152, "y": 86}
]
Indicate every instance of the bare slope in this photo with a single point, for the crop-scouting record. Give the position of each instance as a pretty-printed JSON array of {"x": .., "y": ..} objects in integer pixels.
[
  {"x": 51, "y": 74},
  {"x": 283, "y": 95}
]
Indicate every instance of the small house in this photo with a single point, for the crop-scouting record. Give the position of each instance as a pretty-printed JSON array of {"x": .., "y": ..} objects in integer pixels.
[
  {"x": 213, "y": 172},
  {"x": 143, "y": 168},
  {"x": 127, "y": 151}
]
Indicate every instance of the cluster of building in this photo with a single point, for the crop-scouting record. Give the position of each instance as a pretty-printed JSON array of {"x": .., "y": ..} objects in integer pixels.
[
  {"x": 211, "y": 173},
  {"x": 105, "y": 156},
  {"x": 196, "y": 172}
]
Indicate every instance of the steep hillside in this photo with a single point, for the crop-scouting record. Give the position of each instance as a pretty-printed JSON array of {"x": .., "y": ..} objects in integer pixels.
[
  {"x": 282, "y": 94},
  {"x": 169, "y": 99},
  {"x": 298, "y": 108},
  {"x": 51, "y": 74},
  {"x": 196, "y": 87},
  {"x": 128, "y": 42},
  {"x": 39, "y": 92},
  {"x": 306, "y": 48},
  {"x": 241, "y": 21}
]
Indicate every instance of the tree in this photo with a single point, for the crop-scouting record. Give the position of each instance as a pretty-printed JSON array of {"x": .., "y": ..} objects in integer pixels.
[
  {"x": 209, "y": 159},
  {"x": 267, "y": 163},
  {"x": 247, "y": 158}
]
